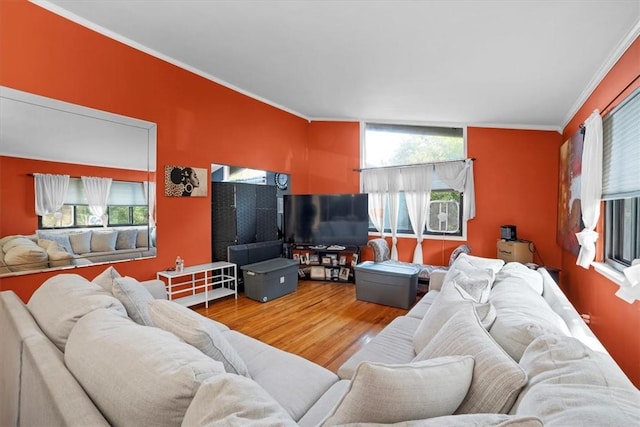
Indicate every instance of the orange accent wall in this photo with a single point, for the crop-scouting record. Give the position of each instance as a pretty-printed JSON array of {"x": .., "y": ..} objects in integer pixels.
[{"x": 615, "y": 322}]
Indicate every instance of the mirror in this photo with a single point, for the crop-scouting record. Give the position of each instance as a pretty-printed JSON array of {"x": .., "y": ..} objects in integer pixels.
[{"x": 40, "y": 135}]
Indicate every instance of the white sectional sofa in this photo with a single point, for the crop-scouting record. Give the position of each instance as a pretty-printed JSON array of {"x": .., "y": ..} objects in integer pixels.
[
  {"x": 79, "y": 246},
  {"x": 115, "y": 352}
]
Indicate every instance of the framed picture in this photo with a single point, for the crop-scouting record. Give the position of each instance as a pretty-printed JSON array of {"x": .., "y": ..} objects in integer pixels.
[
  {"x": 317, "y": 272},
  {"x": 326, "y": 260},
  {"x": 343, "y": 259},
  {"x": 296, "y": 256},
  {"x": 354, "y": 259},
  {"x": 313, "y": 259},
  {"x": 344, "y": 273},
  {"x": 185, "y": 181},
  {"x": 328, "y": 273},
  {"x": 304, "y": 259}
]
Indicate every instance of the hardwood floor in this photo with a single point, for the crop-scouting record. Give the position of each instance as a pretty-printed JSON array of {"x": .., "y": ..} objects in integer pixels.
[{"x": 321, "y": 321}]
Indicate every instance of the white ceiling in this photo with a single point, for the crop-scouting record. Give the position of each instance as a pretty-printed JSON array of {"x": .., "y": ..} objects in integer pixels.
[{"x": 519, "y": 63}]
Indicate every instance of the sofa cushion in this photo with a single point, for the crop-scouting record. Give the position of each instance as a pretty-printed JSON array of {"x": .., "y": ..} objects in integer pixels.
[
  {"x": 142, "y": 239},
  {"x": 136, "y": 375},
  {"x": 135, "y": 299},
  {"x": 394, "y": 344},
  {"x": 103, "y": 241},
  {"x": 497, "y": 379},
  {"x": 57, "y": 254},
  {"x": 517, "y": 274},
  {"x": 127, "y": 238},
  {"x": 522, "y": 315},
  {"x": 464, "y": 259},
  {"x": 107, "y": 278},
  {"x": 474, "y": 284},
  {"x": 22, "y": 254},
  {"x": 294, "y": 382},
  {"x": 465, "y": 420},
  {"x": 394, "y": 393},
  {"x": 80, "y": 242},
  {"x": 61, "y": 238},
  {"x": 62, "y": 300},
  {"x": 588, "y": 387},
  {"x": 227, "y": 399},
  {"x": 325, "y": 405},
  {"x": 198, "y": 331},
  {"x": 446, "y": 304}
]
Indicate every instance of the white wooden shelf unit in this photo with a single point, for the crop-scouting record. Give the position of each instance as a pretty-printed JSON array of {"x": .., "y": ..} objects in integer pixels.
[{"x": 202, "y": 283}]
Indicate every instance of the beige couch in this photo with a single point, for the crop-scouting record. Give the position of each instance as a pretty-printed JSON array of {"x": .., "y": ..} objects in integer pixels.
[
  {"x": 62, "y": 248},
  {"x": 115, "y": 352}
]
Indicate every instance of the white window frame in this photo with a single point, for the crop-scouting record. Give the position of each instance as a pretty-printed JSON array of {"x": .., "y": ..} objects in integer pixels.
[{"x": 426, "y": 236}]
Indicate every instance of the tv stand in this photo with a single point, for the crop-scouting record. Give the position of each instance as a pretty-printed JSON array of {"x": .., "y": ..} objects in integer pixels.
[{"x": 329, "y": 263}]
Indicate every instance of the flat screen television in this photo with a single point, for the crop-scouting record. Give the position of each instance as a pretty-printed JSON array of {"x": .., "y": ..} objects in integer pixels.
[{"x": 326, "y": 219}]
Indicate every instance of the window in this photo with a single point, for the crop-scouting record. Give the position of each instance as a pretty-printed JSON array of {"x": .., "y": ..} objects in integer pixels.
[
  {"x": 398, "y": 145},
  {"x": 621, "y": 182},
  {"x": 127, "y": 205}
]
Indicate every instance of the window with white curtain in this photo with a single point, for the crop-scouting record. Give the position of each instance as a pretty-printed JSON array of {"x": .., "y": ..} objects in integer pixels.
[
  {"x": 398, "y": 145},
  {"x": 127, "y": 205},
  {"x": 621, "y": 182}
]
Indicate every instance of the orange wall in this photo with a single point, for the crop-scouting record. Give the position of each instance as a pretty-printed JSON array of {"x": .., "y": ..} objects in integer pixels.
[
  {"x": 199, "y": 122},
  {"x": 615, "y": 322}
]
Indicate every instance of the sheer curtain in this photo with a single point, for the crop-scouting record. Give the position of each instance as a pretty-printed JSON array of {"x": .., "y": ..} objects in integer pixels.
[
  {"x": 375, "y": 184},
  {"x": 459, "y": 176},
  {"x": 50, "y": 192},
  {"x": 97, "y": 192},
  {"x": 394, "y": 180},
  {"x": 416, "y": 182},
  {"x": 590, "y": 189},
  {"x": 150, "y": 192}
]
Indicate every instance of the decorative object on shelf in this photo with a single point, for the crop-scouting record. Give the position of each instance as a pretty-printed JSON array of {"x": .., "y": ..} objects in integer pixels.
[
  {"x": 281, "y": 180},
  {"x": 317, "y": 272},
  {"x": 180, "y": 181},
  {"x": 354, "y": 260},
  {"x": 343, "y": 260},
  {"x": 344, "y": 273}
]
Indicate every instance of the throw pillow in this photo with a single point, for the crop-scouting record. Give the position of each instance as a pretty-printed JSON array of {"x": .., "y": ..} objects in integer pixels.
[
  {"x": 127, "y": 238},
  {"x": 142, "y": 239},
  {"x": 136, "y": 375},
  {"x": 393, "y": 393},
  {"x": 135, "y": 298},
  {"x": 473, "y": 285},
  {"x": 106, "y": 279},
  {"x": 103, "y": 241},
  {"x": 497, "y": 378},
  {"x": 58, "y": 256},
  {"x": 81, "y": 242},
  {"x": 517, "y": 275},
  {"x": 62, "y": 300},
  {"x": 446, "y": 304},
  {"x": 465, "y": 420},
  {"x": 61, "y": 238},
  {"x": 22, "y": 254},
  {"x": 198, "y": 331},
  {"x": 228, "y": 399}
]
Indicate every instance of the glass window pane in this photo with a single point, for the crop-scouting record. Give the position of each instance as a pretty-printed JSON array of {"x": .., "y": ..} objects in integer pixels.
[
  {"x": 63, "y": 218},
  {"x": 140, "y": 215},
  {"x": 119, "y": 215}
]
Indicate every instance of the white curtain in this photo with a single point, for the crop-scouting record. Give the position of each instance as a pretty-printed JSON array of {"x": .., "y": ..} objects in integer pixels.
[
  {"x": 590, "y": 189},
  {"x": 459, "y": 176},
  {"x": 416, "y": 182},
  {"x": 375, "y": 184},
  {"x": 50, "y": 192},
  {"x": 394, "y": 179},
  {"x": 97, "y": 192},
  {"x": 150, "y": 192}
]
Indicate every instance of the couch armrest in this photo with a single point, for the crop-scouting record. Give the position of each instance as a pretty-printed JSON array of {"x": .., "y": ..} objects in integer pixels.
[
  {"x": 436, "y": 278},
  {"x": 156, "y": 288}
]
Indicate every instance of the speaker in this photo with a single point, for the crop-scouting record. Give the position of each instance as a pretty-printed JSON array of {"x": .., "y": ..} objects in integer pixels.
[{"x": 508, "y": 232}]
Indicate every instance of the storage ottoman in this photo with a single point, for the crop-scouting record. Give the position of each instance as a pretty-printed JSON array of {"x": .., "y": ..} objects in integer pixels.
[
  {"x": 387, "y": 284},
  {"x": 266, "y": 280}
]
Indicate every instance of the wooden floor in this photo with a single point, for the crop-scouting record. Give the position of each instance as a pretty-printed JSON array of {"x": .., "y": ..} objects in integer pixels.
[{"x": 321, "y": 321}]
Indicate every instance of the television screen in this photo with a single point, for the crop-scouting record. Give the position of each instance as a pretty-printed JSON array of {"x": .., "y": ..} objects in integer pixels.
[{"x": 326, "y": 219}]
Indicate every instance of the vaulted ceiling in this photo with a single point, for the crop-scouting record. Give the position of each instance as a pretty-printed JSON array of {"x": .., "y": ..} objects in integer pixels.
[{"x": 518, "y": 63}]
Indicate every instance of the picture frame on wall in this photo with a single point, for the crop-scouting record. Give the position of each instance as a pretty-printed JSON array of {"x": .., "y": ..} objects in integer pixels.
[{"x": 185, "y": 181}]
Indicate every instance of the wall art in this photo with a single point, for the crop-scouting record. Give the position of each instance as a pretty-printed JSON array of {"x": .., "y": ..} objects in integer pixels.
[{"x": 185, "y": 181}]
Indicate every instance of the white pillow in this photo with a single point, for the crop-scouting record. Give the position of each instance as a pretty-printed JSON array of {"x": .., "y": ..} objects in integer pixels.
[
  {"x": 81, "y": 242},
  {"x": 198, "y": 331},
  {"x": 479, "y": 262},
  {"x": 229, "y": 400},
  {"x": 473, "y": 285},
  {"x": 497, "y": 378},
  {"x": 62, "y": 300},
  {"x": 127, "y": 238},
  {"x": 106, "y": 278},
  {"x": 136, "y": 375},
  {"x": 393, "y": 393},
  {"x": 517, "y": 274},
  {"x": 135, "y": 298},
  {"x": 103, "y": 241}
]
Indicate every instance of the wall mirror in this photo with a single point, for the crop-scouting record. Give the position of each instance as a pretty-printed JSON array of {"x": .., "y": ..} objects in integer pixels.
[{"x": 40, "y": 135}]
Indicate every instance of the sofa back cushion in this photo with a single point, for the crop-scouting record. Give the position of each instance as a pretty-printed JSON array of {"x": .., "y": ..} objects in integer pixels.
[
  {"x": 135, "y": 298},
  {"x": 103, "y": 241},
  {"x": 127, "y": 238},
  {"x": 80, "y": 242},
  {"x": 62, "y": 300},
  {"x": 497, "y": 379},
  {"x": 22, "y": 254},
  {"x": 522, "y": 316},
  {"x": 587, "y": 387},
  {"x": 136, "y": 375}
]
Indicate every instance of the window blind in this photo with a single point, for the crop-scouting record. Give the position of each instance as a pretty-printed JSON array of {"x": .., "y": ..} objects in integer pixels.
[
  {"x": 621, "y": 150},
  {"x": 123, "y": 193}
]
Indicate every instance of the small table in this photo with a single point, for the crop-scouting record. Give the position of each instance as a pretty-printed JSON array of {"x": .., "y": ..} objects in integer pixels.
[{"x": 200, "y": 283}]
